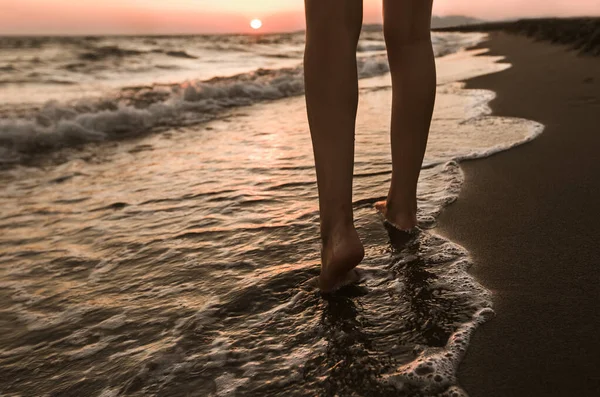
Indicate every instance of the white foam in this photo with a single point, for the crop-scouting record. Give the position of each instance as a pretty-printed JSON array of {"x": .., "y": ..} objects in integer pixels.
[
  {"x": 434, "y": 371},
  {"x": 109, "y": 392}
]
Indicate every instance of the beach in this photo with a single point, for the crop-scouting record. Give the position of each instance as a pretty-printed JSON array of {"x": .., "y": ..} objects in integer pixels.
[
  {"x": 160, "y": 225},
  {"x": 529, "y": 217}
]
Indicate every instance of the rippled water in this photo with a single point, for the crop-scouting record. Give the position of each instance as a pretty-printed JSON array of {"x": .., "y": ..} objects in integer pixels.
[{"x": 181, "y": 263}]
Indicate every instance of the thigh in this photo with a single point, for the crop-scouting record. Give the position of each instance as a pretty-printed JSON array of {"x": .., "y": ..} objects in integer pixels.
[
  {"x": 407, "y": 19},
  {"x": 334, "y": 15}
]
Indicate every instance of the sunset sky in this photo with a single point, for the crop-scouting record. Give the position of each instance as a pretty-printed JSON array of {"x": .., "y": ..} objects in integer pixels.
[{"x": 219, "y": 16}]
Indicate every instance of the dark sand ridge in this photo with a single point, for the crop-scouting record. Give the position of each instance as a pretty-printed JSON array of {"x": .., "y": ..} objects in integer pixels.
[
  {"x": 531, "y": 219},
  {"x": 582, "y": 34}
]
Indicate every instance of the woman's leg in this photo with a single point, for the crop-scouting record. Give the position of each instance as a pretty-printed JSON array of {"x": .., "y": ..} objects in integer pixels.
[
  {"x": 333, "y": 29},
  {"x": 407, "y": 30}
]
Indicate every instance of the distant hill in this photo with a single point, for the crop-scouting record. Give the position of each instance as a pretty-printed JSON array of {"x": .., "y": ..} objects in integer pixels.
[{"x": 582, "y": 34}]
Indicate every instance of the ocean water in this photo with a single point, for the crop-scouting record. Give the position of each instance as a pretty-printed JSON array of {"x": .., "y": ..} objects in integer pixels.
[{"x": 159, "y": 224}]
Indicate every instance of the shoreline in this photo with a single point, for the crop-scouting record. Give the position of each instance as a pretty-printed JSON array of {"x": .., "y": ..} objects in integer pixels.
[{"x": 527, "y": 216}]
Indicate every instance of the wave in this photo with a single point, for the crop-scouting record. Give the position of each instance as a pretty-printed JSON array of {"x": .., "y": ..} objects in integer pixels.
[
  {"x": 102, "y": 53},
  {"x": 137, "y": 111},
  {"x": 180, "y": 54},
  {"x": 107, "y": 52},
  {"x": 371, "y": 47},
  {"x": 36, "y": 81}
]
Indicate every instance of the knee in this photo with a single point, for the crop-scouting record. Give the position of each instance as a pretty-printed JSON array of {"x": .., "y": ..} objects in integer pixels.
[
  {"x": 407, "y": 22},
  {"x": 405, "y": 35}
]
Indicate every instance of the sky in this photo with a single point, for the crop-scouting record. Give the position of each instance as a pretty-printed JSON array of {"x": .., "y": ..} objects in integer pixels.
[{"x": 223, "y": 16}]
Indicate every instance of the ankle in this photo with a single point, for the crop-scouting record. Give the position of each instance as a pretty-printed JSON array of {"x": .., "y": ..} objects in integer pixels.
[
  {"x": 336, "y": 230},
  {"x": 401, "y": 204},
  {"x": 402, "y": 214},
  {"x": 341, "y": 244}
]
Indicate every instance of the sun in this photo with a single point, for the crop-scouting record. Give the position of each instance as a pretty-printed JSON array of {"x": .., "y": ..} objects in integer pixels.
[{"x": 256, "y": 24}]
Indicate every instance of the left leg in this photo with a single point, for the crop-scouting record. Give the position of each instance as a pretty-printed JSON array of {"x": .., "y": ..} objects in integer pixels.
[{"x": 333, "y": 28}]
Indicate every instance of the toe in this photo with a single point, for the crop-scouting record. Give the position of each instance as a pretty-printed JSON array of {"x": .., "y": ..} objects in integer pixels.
[{"x": 381, "y": 206}]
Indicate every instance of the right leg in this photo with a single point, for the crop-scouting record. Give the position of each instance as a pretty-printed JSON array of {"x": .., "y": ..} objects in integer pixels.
[
  {"x": 333, "y": 28},
  {"x": 407, "y": 30}
]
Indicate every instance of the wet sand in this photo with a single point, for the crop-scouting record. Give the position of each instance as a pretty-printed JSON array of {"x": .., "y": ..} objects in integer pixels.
[{"x": 530, "y": 218}]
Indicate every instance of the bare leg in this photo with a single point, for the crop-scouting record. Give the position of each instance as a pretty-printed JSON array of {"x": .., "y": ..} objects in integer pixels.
[
  {"x": 333, "y": 28},
  {"x": 408, "y": 38}
]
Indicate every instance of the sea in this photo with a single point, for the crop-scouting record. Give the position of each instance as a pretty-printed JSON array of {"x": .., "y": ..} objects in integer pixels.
[{"x": 159, "y": 226}]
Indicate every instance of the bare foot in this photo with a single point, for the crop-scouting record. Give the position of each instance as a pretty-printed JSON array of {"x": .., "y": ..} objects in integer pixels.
[
  {"x": 341, "y": 253},
  {"x": 399, "y": 218}
]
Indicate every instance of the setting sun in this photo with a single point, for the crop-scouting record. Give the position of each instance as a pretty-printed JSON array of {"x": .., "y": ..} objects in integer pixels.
[{"x": 256, "y": 24}]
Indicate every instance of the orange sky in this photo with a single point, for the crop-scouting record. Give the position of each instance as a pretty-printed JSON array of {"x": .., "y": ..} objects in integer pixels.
[{"x": 204, "y": 16}]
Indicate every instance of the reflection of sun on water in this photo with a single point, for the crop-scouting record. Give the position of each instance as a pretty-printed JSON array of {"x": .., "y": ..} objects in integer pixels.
[{"x": 256, "y": 24}]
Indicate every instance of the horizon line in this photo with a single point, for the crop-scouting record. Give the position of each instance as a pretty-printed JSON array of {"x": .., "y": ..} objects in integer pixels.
[{"x": 241, "y": 33}]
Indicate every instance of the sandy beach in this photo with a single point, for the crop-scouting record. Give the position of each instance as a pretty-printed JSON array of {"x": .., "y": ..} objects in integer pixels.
[{"x": 529, "y": 218}]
